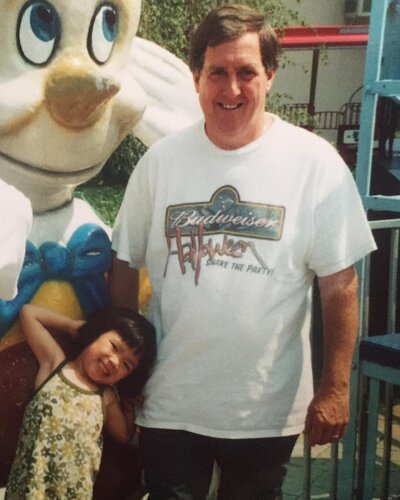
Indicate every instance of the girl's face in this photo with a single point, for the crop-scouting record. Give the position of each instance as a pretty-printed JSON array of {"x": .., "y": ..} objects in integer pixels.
[{"x": 109, "y": 359}]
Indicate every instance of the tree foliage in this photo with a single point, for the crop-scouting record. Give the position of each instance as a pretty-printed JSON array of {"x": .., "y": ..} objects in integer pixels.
[{"x": 170, "y": 23}]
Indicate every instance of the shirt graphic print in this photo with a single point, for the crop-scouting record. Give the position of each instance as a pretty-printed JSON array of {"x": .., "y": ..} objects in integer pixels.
[{"x": 224, "y": 227}]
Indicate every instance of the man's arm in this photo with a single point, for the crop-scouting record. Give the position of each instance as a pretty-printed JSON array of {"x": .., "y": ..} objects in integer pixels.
[
  {"x": 328, "y": 412},
  {"x": 124, "y": 284}
]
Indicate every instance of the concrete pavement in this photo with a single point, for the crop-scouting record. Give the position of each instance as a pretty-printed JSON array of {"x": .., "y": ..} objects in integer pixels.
[{"x": 321, "y": 467}]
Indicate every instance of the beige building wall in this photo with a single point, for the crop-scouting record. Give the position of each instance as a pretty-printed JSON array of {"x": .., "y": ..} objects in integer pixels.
[
  {"x": 340, "y": 71},
  {"x": 318, "y": 11}
]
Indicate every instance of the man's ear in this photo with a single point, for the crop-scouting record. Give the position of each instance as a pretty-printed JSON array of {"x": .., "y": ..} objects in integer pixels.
[
  {"x": 270, "y": 78},
  {"x": 196, "y": 78}
]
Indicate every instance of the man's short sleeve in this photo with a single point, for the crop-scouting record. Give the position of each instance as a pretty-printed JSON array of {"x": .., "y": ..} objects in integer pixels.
[{"x": 341, "y": 233}]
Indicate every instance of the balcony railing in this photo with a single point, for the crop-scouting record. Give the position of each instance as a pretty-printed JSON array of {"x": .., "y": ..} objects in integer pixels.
[
  {"x": 344, "y": 483},
  {"x": 322, "y": 120}
]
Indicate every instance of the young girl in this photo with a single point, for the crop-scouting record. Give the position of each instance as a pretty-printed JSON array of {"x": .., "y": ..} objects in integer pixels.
[{"x": 60, "y": 444}]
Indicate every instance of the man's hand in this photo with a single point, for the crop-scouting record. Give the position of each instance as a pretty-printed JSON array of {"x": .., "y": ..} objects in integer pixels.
[
  {"x": 327, "y": 417},
  {"x": 328, "y": 412}
]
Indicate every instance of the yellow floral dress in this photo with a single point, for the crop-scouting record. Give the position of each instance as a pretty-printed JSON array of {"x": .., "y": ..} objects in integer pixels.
[{"x": 60, "y": 444}]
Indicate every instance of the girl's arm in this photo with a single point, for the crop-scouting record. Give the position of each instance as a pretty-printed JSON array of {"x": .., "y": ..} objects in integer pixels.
[
  {"x": 35, "y": 323},
  {"x": 120, "y": 417}
]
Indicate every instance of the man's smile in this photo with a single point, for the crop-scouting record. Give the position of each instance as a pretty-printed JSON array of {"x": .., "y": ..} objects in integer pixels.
[{"x": 229, "y": 107}]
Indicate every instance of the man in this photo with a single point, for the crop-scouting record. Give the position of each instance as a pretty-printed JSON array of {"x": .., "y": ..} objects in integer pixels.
[
  {"x": 15, "y": 226},
  {"x": 233, "y": 218}
]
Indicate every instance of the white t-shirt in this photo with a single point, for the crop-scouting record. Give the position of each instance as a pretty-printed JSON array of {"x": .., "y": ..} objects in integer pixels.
[
  {"x": 232, "y": 241},
  {"x": 15, "y": 226}
]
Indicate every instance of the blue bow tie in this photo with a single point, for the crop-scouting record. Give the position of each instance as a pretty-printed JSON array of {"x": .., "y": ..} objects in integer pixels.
[{"x": 82, "y": 263}]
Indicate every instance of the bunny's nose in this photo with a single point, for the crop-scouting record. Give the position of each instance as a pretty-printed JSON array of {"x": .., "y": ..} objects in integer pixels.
[{"x": 75, "y": 97}]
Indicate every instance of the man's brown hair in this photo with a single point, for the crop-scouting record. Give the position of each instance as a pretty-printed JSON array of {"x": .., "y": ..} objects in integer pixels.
[{"x": 228, "y": 22}]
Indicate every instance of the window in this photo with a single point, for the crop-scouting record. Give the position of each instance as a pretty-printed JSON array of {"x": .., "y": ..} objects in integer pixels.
[
  {"x": 367, "y": 6},
  {"x": 350, "y": 6},
  {"x": 357, "y": 11}
]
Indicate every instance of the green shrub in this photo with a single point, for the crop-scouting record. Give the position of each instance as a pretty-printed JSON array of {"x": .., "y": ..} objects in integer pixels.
[{"x": 105, "y": 200}]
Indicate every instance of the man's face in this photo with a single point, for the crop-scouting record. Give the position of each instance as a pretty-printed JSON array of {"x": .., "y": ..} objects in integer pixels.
[{"x": 232, "y": 88}]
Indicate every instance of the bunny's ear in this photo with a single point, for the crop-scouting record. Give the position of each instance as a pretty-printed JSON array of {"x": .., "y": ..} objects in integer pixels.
[{"x": 168, "y": 83}]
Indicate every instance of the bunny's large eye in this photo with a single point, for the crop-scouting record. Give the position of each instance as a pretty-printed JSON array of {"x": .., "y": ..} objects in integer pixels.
[
  {"x": 38, "y": 32},
  {"x": 103, "y": 33}
]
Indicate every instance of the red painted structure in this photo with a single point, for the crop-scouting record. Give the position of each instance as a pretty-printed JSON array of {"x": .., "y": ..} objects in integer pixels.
[{"x": 312, "y": 37}]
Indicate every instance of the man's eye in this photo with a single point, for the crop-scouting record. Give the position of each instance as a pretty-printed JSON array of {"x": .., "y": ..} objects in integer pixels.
[
  {"x": 247, "y": 73},
  {"x": 113, "y": 346},
  {"x": 216, "y": 73}
]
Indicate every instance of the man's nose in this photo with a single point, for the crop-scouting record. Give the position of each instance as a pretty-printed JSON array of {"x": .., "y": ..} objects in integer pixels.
[{"x": 232, "y": 88}]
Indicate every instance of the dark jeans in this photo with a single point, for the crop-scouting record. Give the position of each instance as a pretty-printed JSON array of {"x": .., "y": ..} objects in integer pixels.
[{"x": 179, "y": 465}]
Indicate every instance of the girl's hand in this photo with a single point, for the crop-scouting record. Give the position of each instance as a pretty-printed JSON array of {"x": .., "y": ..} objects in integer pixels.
[
  {"x": 74, "y": 326},
  {"x": 139, "y": 401},
  {"x": 120, "y": 416},
  {"x": 130, "y": 404}
]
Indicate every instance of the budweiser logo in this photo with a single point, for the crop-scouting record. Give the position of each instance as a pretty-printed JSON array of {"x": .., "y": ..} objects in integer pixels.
[
  {"x": 226, "y": 213},
  {"x": 189, "y": 229}
]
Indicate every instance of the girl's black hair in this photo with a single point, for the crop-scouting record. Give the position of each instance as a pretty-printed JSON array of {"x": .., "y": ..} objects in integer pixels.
[{"x": 136, "y": 331}]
